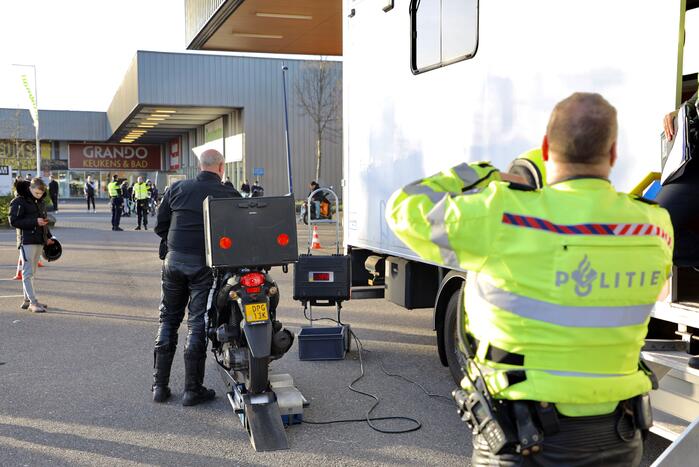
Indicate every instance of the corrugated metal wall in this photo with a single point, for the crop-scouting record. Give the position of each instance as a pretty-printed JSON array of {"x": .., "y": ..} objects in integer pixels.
[
  {"x": 125, "y": 99},
  {"x": 255, "y": 85},
  {"x": 196, "y": 14},
  {"x": 54, "y": 125}
]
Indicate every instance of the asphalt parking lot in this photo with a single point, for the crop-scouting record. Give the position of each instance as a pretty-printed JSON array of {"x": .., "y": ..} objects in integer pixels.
[{"x": 75, "y": 382}]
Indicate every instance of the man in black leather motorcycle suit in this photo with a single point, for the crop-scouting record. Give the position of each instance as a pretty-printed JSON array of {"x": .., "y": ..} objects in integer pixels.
[{"x": 186, "y": 278}]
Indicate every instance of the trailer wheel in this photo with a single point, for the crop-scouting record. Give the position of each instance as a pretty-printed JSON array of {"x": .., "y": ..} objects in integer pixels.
[{"x": 455, "y": 359}]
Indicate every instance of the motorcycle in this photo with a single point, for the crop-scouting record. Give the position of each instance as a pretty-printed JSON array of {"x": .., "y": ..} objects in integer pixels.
[{"x": 243, "y": 328}]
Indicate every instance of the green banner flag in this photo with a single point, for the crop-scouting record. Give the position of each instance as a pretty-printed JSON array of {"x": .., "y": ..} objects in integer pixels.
[{"x": 33, "y": 109}]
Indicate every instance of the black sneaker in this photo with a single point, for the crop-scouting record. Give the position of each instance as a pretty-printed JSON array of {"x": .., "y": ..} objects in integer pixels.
[
  {"x": 138, "y": 228},
  {"x": 118, "y": 229},
  {"x": 25, "y": 305}
]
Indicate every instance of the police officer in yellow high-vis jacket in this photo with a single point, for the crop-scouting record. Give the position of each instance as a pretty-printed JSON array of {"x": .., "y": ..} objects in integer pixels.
[
  {"x": 562, "y": 281},
  {"x": 141, "y": 194},
  {"x": 117, "y": 200}
]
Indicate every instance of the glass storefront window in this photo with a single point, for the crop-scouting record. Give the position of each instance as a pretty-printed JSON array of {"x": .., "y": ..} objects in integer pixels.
[
  {"x": 63, "y": 186},
  {"x": 76, "y": 184},
  {"x": 71, "y": 183}
]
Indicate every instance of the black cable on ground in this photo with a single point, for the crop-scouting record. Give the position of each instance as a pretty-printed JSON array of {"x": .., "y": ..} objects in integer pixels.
[
  {"x": 448, "y": 399},
  {"x": 368, "y": 418}
]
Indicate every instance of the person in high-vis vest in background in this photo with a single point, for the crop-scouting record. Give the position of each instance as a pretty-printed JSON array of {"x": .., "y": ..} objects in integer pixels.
[
  {"x": 117, "y": 200},
  {"x": 560, "y": 287},
  {"x": 141, "y": 194}
]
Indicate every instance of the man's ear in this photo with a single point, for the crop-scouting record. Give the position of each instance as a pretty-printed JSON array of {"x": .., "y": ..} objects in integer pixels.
[
  {"x": 545, "y": 148},
  {"x": 612, "y": 155}
]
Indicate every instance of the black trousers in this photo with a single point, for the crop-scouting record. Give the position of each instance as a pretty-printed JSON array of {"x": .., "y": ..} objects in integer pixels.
[
  {"x": 116, "y": 211},
  {"x": 54, "y": 200},
  {"x": 185, "y": 280},
  {"x": 602, "y": 441},
  {"x": 142, "y": 211},
  {"x": 681, "y": 199},
  {"x": 91, "y": 198}
]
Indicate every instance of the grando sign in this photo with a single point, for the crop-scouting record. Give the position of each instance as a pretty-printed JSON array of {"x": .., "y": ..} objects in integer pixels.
[{"x": 114, "y": 157}]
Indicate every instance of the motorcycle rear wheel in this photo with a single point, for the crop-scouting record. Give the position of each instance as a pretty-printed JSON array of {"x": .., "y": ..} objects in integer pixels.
[{"x": 258, "y": 375}]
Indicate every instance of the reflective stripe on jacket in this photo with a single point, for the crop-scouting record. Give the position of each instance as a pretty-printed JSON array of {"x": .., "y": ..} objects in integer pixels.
[{"x": 564, "y": 278}]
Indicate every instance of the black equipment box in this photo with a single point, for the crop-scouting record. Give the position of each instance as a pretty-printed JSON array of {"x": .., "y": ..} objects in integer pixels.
[
  {"x": 411, "y": 284},
  {"x": 322, "y": 278},
  {"x": 249, "y": 232}
]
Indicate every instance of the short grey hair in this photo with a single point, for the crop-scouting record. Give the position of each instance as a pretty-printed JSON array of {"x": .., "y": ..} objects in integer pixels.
[
  {"x": 582, "y": 128},
  {"x": 211, "y": 158}
]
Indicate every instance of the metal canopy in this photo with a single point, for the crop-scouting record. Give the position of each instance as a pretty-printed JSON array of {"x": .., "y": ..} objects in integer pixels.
[
  {"x": 155, "y": 125},
  {"x": 311, "y": 27}
]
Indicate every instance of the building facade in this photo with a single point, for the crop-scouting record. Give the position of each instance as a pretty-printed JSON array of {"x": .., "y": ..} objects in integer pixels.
[{"x": 171, "y": 106}]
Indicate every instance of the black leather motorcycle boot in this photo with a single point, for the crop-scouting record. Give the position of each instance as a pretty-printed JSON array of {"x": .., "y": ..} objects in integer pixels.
[
  {"x": 194, "y": 392},
  {"x": 162, "y": 363}
]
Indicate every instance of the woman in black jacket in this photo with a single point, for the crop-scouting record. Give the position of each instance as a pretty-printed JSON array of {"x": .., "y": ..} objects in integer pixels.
[{"x": 28, "y": 216}]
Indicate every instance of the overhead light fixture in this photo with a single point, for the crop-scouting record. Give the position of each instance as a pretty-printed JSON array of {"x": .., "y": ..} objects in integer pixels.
[
  {"x": 147, "y": 125},
  {"x": 283, "y": 16},
  {"x": 257, "y": 36},
  {"x": 165, "y": 111},
  {"x": 156, "y": 118}
]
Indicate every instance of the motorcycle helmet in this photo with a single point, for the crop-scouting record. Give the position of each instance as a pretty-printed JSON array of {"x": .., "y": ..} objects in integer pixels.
[{"x": 53, "y": 252}]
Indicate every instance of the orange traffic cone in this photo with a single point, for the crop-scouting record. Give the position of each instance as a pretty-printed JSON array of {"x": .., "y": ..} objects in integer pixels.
[
  {"x": 18, "y": 276},
  {"x": 316, "y": 241},
  {"x": 40, "y": 264}
]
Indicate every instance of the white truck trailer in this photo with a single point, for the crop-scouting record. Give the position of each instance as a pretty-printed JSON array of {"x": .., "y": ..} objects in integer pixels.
[{"x": 429, "y": 84}]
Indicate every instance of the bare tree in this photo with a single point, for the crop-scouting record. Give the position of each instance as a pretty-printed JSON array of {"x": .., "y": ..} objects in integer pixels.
[{"x": 319, "y": 92}]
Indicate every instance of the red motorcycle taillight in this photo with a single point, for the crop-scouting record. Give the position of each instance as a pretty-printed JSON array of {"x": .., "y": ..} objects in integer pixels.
[
  {"x": 253, "y": 279},
  {"x": 253, "y": 289}
]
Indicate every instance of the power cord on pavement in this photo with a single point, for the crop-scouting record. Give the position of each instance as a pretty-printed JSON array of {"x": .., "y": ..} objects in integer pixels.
[
  {"x": 448, "y": 399},
  {"x": 368, "y": 419}
]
